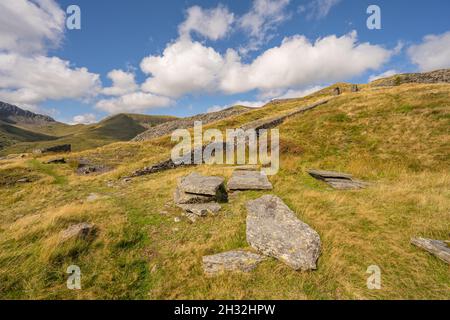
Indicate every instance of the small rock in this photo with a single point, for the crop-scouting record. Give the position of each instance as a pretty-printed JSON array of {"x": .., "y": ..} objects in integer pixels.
[
  {"x": 240, "y": 261},
  {"x": 337, "y": 91},
  {"x": 274, "y": 230},
  {"x": 83, "y": 231},
  {"x": 354, "y": 88},
  {"x": 56, "y": 161},
  {"x": 437, "y": 248},
  {"x": 93, "y": 197},
  {"x": 154, "y": 269},
  {"x": 202, "y": 209},
  {"x": 177, "y": 220},
  {"x": 249, "y": 180},
  {"x": 24, "y": 180}
]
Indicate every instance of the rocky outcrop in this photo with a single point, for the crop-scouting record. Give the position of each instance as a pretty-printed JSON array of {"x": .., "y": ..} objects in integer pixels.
[
  {"x": 82, "y": 231},
  {"x": 187, "y": 123},
  {"x": 14, "y": 114},
  {"x": 338, "y": 180},
  {"x": 249, "y": 180},
  {"x": 439, "y": 249},
  {"x": 438, "y": 76},
  {"x": 54, "y": 149},
  {"x": 232, "y": 261},
  {"x": 274, "y": 230}
]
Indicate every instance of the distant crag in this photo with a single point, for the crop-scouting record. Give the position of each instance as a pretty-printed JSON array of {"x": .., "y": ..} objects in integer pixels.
[
  {"x": 186, "y": 123},
  {"x": 12, "y": 114},
  {"x": 438, "y": 76}
]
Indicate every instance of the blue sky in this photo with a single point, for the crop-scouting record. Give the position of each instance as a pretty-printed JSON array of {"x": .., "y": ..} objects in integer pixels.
[{"x": 186, "y": 57}]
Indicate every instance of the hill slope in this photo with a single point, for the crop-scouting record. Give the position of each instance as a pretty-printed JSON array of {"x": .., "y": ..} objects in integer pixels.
[
  {"x": 397, "y": 138},
  {"x": 22, "y": 131}
]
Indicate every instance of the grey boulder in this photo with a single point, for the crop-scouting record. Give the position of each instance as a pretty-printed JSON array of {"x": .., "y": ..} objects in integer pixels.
[
  {"x": 440, "y": 249},
  {"x": 274, "y": 230}
]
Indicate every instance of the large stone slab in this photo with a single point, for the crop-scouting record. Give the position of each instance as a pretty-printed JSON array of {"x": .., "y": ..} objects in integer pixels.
[
  {"x": 338, "y": 180},
  {"x": 437, "y": 248},
  {"x": 198, "y": 184},
  {"x": 181, "y": 197},
  {"x": 249, "y": 180},
  {"x": 234, "y": 261},
  {"x": 274, "y": 230}
]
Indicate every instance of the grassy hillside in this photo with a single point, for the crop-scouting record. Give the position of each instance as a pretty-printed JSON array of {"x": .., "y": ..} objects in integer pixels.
[
  {"x": 10, "y": 134},
  {"x": 395, "y": 137},
  {"x": 121, "y": 127}
]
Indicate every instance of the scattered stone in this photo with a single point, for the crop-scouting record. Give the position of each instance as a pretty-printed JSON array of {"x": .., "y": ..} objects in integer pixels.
[
  {"x": 437, "y": 248},
  {"x": 163, "y": 213},
  {"x": 59, "y": 148},
  {"x": 192, "y": 217},
  {"x": 154, "y": 269},
  {"x": 337, "y": 180},
  {"x": 24, "y": 180},
  {"x": 249, "y": 180},
  {"x": 56, "y": 161},
  {"x": 235, "y": 261},
  {"x": 201, "y": 209},
  {"x": 274, "y": 230},
  {"x": 82, "y": 231},
  {"x": 177, "y": 220}
]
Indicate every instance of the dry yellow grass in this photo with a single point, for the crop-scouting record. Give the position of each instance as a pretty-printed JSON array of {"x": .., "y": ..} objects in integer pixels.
[{"x": 396, "y": 138}]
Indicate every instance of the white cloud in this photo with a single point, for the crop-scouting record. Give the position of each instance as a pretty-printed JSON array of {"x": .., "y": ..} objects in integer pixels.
[
  {"x": 263, "y": 18},
  {"x": 297, "y": 62},
  {"x": 184, "y": 67},
  {"x": 250, "y": 104},
  {"x": 386, "y": 74},
  {"x": 31, "y": 80},
  {"x": 433, "y": 53},
  {"x": 27, "y": 76},
  {"x": 30, "y": 26},
  {"x": 292, "y": 93},
  {"x": 133, "y": 102},
  {"x": 213, "y": 24},
  {"x": 123, "y": 83},
  {"x": 187, "y": 67},
  {"x": 88, "y": 118},
  {"x": 318, "y": 9}
]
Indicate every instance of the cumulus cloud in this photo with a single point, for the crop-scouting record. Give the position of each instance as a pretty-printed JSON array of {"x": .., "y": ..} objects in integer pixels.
[
  {"x": 433, "y": 53},
  {"x": 213, "y": 24},
  {"x": 133, "y": 102},
  {"x": 386, "y": 74},
  {"x": 318, "y": 9},
  {"x": 27, "y": 75},
  {"x": 31, "y": 80},
  {"x": 299, "y": 93},
  {"x": 30, "y": 26},
  {"x": 88, "y": 118},
  {"x": 186, "y": 66},
  {"x": 263, "y": 18},
  {"x": 123, "y": 83},
  {"x": 250, "y": 104}
]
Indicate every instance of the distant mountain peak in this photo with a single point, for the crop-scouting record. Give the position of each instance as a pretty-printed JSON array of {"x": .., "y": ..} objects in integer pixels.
[{"x": 13, "y": 114}]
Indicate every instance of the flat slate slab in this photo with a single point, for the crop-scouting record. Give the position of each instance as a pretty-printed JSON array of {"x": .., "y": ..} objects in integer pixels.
[
  {"x": 338, "y": 180},
  {"x": 437, "y": 248},
  {"x": 235, "y": 261},
  {"x": 198, "y": 184},
  {"x": 249, "y": 180},
  {"x": 274, "y": 230}
]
